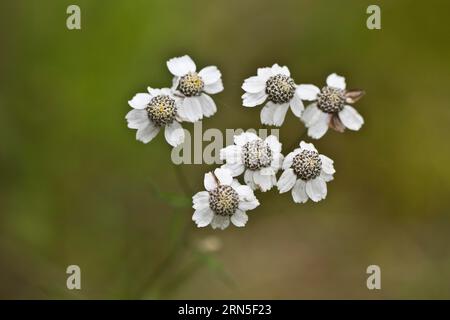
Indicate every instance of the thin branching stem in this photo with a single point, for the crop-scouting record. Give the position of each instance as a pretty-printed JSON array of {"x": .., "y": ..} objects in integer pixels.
[{"x": 179, "y": 244}]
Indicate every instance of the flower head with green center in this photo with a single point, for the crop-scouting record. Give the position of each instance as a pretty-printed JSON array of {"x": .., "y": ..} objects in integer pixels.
[
  {"x": 259, "y": 159},
  {"x": 194, "y": 87},
  {"x": 191, "y": 84},
  {"x": 275, "y": 87},
  {"x": 331, "y": 107},
  {"x": 153, "y": 111},
  {"x": 306, "y": 173},
  {"x": 224, "y": 200}
]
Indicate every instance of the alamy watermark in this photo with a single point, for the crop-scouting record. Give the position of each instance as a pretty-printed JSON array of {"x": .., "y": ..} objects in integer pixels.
[
  {"x": 374, "y": 280},
  {"x": 192, "y": 150},
  {"x": 73, "y": 21},
  {"x": 74, "y": 279},
  {"x": 374, "y": 20}
]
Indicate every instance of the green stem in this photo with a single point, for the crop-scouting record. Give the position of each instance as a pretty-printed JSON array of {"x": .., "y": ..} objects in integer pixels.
[{"x": 179, "y": 244}]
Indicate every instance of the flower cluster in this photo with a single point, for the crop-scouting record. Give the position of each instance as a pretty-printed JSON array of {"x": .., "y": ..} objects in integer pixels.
[
  {"x": 330, "y": 108},
  {"x": 187, "y": 100},
  {"x": 305, "y": 172}
]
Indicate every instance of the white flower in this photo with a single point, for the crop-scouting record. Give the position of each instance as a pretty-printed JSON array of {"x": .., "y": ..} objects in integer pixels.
[
  {"x": 275, "y": 85},
  {"x": 260, "y": 159},
  {"x": 306, "y": 172},
  {"x": 193, "y": 86},
  {"x": 330, "y": 108},
  {"x": 154, "y": 110},
  {"x": 225, "y": 199}
]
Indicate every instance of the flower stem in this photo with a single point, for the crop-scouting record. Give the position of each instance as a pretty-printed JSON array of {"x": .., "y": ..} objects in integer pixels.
[
  {"x": 180, "y": 243},
  {"x": 183, "y": 181}
]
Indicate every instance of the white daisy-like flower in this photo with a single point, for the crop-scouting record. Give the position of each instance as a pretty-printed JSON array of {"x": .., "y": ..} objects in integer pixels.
[
  {"x": 154, "y": 110},
  {"x": 306, "y": 173},
  {"x": 260, "y": 159},
  {"x": 275, "y": 85},
  {"x": 224, "y": 200},
  {"x": 331, "y": 107},
  {"x": 194, "y": 87}
]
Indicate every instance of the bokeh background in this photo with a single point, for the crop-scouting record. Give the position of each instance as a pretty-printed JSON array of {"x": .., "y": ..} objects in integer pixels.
[{"x": 77, "y": 188}]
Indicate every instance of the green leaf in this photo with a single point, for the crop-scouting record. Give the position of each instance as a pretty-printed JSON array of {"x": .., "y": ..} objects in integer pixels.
[{"x": 173, "y": 199}]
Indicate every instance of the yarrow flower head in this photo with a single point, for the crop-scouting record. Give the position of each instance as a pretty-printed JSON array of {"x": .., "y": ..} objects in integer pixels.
[
  {"x": 224, "y": 200},
  {"x": 331, "y": 107},
  {"x": 260, "y": 159},
  {"x": 194, "y": 87},
  {"x": 154, "y": 110},
  {"x": 275, "y": 85},
  {"x": 306, "y": 173}
]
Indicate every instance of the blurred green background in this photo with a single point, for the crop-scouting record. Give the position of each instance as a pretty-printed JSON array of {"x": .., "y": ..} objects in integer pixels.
[{"x": 77, "y": 188}]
